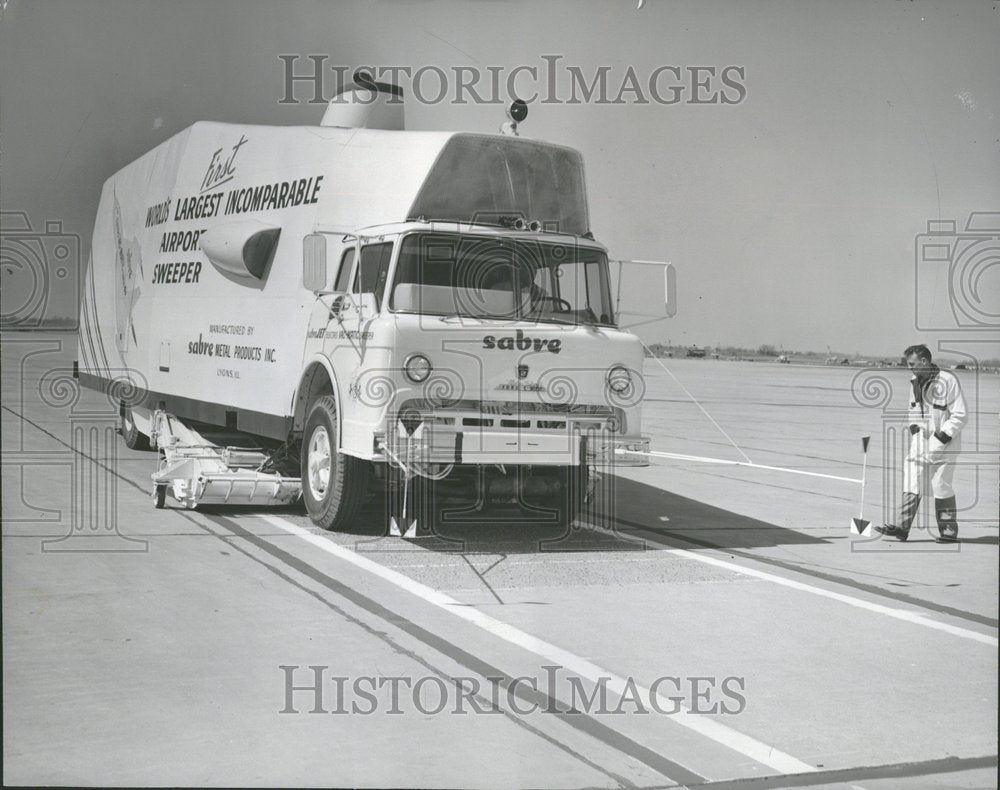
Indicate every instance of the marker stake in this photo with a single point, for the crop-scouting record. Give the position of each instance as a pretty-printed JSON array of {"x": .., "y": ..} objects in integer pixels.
[{"x": 858, "y": 525}]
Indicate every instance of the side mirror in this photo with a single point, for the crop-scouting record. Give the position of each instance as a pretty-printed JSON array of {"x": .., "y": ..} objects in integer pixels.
[
  {"x": 314, "y": 262},
  {"x": 640, "y": 282}
]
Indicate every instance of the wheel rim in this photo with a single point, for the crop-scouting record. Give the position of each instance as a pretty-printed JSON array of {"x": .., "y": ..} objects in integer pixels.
[{"x": 319, "y": 462}]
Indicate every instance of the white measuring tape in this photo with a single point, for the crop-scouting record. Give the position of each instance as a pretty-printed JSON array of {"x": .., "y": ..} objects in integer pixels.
[
  {"x": 858, "y": 525},
  {"x": 751, "y": 464}
]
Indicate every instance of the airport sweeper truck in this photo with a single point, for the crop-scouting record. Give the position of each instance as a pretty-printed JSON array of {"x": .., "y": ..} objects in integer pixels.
[{"x": 336, "y": 311}]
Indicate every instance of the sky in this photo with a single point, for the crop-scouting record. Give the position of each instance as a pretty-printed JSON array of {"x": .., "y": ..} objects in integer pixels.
[{"x": 792, "y": 215}]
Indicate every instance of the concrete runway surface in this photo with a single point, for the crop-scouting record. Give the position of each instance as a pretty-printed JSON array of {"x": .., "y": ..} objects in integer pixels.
[{"x": 724, "y": 629}]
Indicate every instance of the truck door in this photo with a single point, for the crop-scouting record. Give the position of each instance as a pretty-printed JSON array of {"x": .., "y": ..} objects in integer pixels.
[
  {"x": 342, "y": 327},
  {"x": 359, "y": 350}
]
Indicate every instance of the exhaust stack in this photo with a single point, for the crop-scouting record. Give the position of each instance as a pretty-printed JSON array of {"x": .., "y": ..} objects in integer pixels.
[{"x": 366, "y": 104}]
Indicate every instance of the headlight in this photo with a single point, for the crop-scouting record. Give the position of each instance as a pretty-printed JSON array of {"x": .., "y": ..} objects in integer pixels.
[
  {"x": 619, "y": 380},
  {"x": 417, "y": 367}
]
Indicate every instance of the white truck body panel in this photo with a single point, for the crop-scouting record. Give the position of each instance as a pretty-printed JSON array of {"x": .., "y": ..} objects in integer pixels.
[
  {"x": 169, "y": 297},
  {"x": 211, "y": 343}
]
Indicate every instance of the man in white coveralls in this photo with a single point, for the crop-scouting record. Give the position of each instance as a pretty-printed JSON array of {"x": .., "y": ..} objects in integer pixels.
[{"x": 936, "y": 417}]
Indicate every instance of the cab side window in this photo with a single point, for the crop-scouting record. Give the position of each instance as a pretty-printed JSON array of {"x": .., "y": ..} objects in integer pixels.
[
  {"x": 373, "y": 270},
  {"x": 344, "y": 274}
]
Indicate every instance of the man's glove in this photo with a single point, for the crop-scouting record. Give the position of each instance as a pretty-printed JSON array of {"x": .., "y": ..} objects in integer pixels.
[{"x": 942, "y": 437}]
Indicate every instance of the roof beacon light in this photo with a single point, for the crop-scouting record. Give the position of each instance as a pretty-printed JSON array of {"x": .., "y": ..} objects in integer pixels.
[{"x": 516, "y": 113}]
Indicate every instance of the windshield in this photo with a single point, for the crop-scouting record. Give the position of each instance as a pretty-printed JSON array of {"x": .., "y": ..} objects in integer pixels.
[{"x": 489, "y": 277}]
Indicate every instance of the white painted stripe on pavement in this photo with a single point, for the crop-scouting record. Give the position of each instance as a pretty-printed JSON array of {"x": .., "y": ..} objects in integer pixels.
[
  {"x": 899, "y": 614},
  {"x": 709, "y": 728}
]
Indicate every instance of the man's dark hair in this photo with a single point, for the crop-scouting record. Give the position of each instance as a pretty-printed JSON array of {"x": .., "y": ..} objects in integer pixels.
[{"x": 920, "y": 350}]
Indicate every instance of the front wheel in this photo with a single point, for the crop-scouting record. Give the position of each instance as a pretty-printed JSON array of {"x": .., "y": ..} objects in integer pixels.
[
  {"x": 334, "y": 485},
  {"x": 572, "y": 497}
]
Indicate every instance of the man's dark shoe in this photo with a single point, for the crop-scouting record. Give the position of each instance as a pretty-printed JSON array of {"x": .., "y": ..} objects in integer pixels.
[
  {"x": 947, "y": 535},
  {"x": 892, "y": 531}
]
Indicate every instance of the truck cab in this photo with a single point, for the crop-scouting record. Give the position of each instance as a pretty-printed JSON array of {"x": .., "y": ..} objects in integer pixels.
[{"x": 457, "y": 346}]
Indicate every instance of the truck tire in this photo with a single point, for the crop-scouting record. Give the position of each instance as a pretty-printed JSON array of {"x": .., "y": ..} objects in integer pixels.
[
  {"x": 571, "y": 502},
  {"x": 334, "y": 485},
  {"x": 134, "y": 438}
]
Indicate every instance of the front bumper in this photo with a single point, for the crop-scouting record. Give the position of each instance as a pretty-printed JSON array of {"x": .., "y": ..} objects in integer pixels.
[{"x": 431, "y": 443}]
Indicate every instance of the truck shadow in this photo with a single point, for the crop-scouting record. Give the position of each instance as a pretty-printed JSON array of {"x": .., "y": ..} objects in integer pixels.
[{"x": 638, "y": 512}]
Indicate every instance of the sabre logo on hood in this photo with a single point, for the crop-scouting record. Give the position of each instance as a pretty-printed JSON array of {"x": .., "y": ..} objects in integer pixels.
[{"x": 521, "y": 342}]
